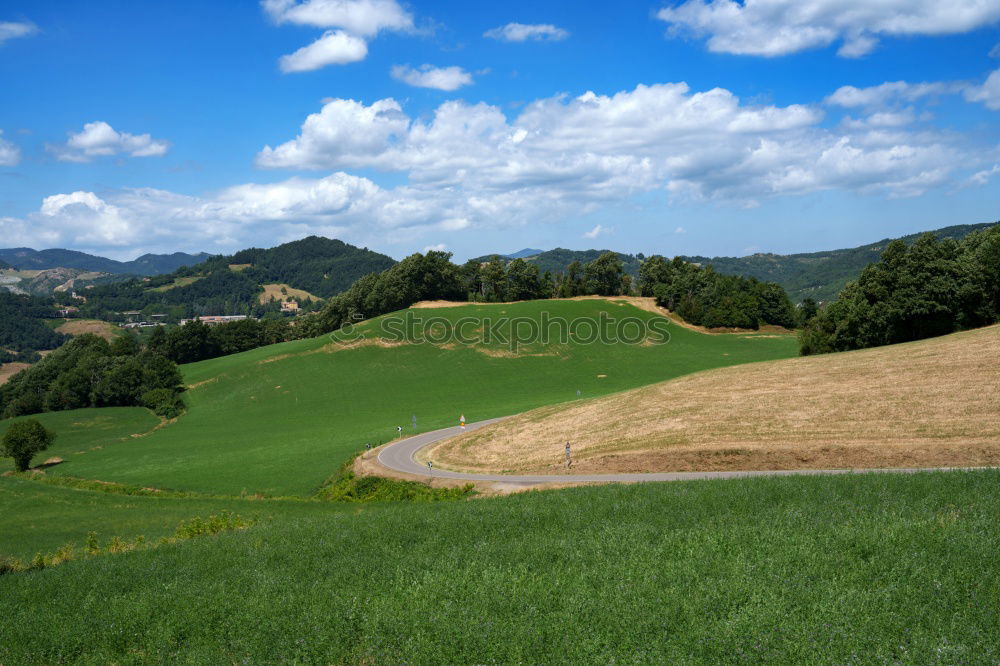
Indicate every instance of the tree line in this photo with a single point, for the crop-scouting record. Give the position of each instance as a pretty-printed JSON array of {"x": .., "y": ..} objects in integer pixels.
[
  {"x": 88, "y": 371},
  {"x": 703, "y": 297},
  {"x": 930, "y": 288},
  {"x": 196, "y": 341}
]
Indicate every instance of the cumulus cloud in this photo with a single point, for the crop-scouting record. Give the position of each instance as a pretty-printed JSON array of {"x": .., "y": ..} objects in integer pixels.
[
  {"x": 988, "y": 93},
  {"x": 428, "y": 76},
  {"x": 984, "y": 176},
  {"x": 335, "y": 47},
  {"x": 349, "y": 24},
  {"x": 571, "y": 153},
  {"x": 468, "y": 166},
  {"x": 439, "y": 247},
  {"x": 10, "y": 154},
  {"x": 596, "y": 231},
  {"x": 99, "y": 139},
  {"x": 360, "y": 17},
  {"x": 12, "y": 30},
  {"x": 520, "y": 32},
  {"x": 889, "y": 93},
  {"x": 779, "y": 27}
]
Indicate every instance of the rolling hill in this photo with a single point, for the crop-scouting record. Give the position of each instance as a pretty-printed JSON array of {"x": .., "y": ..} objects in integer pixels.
[
  {"x": 818, "y": 275},
  {"x": 920, "y": 404},
  {"x": 281, "y": 419},
  {"x": 771, "y": 569},
  {"x": 231, "y": 285}
]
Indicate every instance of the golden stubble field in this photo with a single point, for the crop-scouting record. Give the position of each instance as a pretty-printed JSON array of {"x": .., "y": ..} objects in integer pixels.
[{"x": 934, "y": 403}]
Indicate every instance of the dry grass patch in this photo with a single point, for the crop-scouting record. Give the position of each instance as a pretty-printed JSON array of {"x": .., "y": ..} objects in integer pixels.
[
  {"x": 178, "y": 282},
  {"x": 933, "y": 403},
  {"x": 273, "y": 292},
  {"x": 8, "y": 370},
  {"x": 80, "y": 326}
]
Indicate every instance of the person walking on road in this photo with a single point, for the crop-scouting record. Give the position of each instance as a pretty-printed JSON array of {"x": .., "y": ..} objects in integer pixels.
[
  {"x": 461, "y": 421},
  {"x": 569, "y": 462}
]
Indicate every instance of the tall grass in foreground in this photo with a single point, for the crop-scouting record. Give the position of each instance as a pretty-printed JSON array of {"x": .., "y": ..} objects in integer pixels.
[{"x": 869, "y": 568}]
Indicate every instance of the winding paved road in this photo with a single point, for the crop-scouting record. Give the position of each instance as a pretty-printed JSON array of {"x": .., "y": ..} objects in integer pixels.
[{"x": 399, "y": 456}]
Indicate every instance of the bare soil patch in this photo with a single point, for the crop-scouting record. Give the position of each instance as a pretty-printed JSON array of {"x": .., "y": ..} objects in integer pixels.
[{"x": 933, "y": 403}]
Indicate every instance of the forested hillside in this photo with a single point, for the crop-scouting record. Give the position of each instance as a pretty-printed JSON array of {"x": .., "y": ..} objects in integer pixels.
[
  {"x": 932, "y": 287},
  {"x": 226, "y": 285},
  {"x": 22, "y": 328},
  {"x": 818, "y": 275},
  {"x": 321, "y": 266}
]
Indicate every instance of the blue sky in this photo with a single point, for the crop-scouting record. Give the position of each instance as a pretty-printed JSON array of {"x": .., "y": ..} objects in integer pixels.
[{"x": 673, "y": 127}]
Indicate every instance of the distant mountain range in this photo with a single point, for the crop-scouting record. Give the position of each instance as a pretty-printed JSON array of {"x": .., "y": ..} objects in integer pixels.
[
  {"x": 818, "y": 275},
  {"x": 25, "y": 258},
  {"x": 308, "y": 270},
  {"x": 522, "y": 254}
]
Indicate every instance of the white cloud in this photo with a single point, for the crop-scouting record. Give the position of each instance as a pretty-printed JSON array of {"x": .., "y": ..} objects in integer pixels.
[
  {"x": 10, "y": 154},
  {"x": 99, "y": 139},
  {"x": 984, "y": 176},
  {"x": 595, "y": 232},
  {"x": 889, "y": 93},
  {"x": 571, "y": 153},
  {"x": 12, "y": 30},
  {"x": 680, "y": 230},
  {"x": 345, "y": 133},
  {"x": 359, "y": 17},
  {"x": 349, "y": 24},
  {"x": 335, "y": 47},
  {"x": 427, "y": 76},
  {"x": 468, "y": 166},
  {"x": 520, "y": 32},
  {"x": 988, "y": 93},
  {"x": 779, "y": 27},
  {"x": 440, "y": 247}
]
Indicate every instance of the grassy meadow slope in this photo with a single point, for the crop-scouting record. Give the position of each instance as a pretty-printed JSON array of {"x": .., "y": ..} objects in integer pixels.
[
  {"x": 40, "y": 518},
  {"x": 281, "y": 419},
  {"x": 922, "y": 404},
  {"x": 80, "y": 432},
  {"x": 876, "y": 568}
]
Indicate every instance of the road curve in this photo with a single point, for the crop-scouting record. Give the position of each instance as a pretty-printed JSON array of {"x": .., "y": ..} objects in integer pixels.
[{"x": 399, "y": 456}]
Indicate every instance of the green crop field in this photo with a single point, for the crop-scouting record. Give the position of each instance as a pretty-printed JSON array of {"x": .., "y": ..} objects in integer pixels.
[
  {"x": 279, "y": 420},
  {"x": 84, "y": 431},
  {"x": 875, "y": 568},
  {"x": 40, "y": 518}
]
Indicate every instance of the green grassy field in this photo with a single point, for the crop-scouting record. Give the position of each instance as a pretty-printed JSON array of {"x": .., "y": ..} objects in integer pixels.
[
  {"x": 279, "y": 420},
  {"x": 40, "y": 518},
  {"x": 81, "y": 432},
  {"x": 876, "y": 568}
]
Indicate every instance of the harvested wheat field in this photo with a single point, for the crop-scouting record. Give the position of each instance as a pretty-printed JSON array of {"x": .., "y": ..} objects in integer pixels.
[
  {"x": 8, "y": 370},
  {"x": 273, "y": 292},
  {"x": 933, "y": 403},
  {"x": 97, "y": 327}
]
